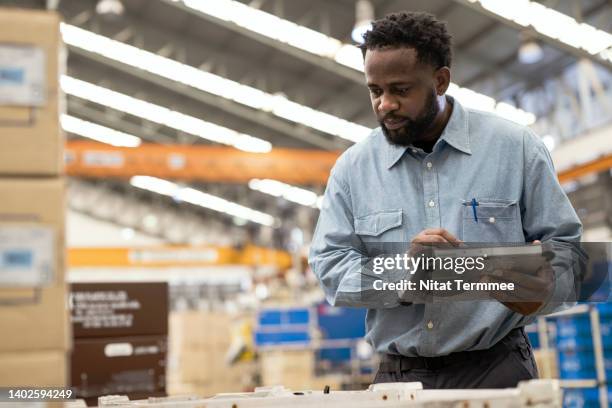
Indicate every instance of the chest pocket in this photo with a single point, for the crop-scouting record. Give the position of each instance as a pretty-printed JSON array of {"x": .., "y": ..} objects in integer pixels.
[
  {"x": 498, "y": 221},
  {"x": 378, "y": 227}
]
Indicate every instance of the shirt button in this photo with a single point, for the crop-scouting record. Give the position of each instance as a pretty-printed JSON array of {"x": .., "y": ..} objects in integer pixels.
[
  {"x": 430, "y": 325},
  {"x": 429, "y": 165},
  {"x": 432, "y": 203},
  {"x": 492, "y": 220}
]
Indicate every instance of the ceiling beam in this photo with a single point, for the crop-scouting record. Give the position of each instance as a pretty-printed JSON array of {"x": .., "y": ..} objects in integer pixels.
[
  {"x": 477, "y": 36},
  {"x": 81, "y": 109},
  {"x": 555, "y": 67},
  {"x": 578, "y": 53},
  {"x": 321, "y": 62},
  {"x": 491, "y": 70},
  {"x": 230, "y": 107},
  {"x": 465, "y": 45},
  {"x": 123, "y": 205}
]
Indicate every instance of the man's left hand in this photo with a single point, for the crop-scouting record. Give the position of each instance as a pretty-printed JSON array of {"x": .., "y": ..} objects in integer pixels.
[{"x": 530, "y": 291}]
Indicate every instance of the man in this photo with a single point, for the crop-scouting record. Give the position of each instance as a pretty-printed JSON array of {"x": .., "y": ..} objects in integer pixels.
[{"x": 418, "y": 178}]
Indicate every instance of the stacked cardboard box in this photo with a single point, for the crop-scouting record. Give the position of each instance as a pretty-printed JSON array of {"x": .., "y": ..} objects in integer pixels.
[
  {"x": 33, "y": 311},
  {"x": 32, "y": 58},
  {"x": 547, "y": 363},
  {"x": 291, "y": 368},
  {"x": 199, "y": 342},
  {"x": 120, "y": 339}
]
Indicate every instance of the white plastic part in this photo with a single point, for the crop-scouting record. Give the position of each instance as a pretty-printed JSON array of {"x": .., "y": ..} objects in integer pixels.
[{"x": 540, "y": 393}]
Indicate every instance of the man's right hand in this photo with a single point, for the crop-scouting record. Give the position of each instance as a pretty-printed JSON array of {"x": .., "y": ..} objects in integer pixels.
[
  {"x": 435, "y": 235},
  {"x": 418, "y": 246}
]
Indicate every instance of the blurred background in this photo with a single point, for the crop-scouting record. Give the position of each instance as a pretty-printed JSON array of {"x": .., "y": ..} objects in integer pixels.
[{"x": 176, "y": 151}]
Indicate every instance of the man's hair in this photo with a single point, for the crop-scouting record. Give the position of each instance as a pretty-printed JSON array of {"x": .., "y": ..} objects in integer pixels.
[{"x": 421, "y": 31}]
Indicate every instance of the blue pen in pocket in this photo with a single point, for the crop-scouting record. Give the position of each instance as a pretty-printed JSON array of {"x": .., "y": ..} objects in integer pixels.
[{"x": 474, "y": 204}]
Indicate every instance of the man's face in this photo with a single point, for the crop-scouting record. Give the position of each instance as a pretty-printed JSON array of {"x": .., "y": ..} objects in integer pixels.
[{"x": 402, "y": 92}]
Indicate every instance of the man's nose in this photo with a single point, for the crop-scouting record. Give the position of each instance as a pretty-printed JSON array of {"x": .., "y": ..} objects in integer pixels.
[{"x": 387, "y": 104}]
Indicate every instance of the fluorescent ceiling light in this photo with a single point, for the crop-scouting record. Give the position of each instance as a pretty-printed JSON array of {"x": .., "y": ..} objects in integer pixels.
[
  {"x": 288, "y": 192},
  {"x": 228, "y": 89},
  {"x": 211, "y": 83},
  {"x": 530, "y": 52},
  {"x": 268, "y": 25},
  {"x": 549, "y": 141},
  {"x": 127, "y": 233},
  {"x": 97, "y": 132},
  {"x": 201, "y": 199},
  {"x": 364, "y": 14},
  {"x": 113, "y": 8},
  {"x": 319, "y": 44},
  {"x": 359, "y": 30},
  {"x": 475, "y": 100},
  {"x": 163, "y": 116},
  {"x": 553, "y": 24}
]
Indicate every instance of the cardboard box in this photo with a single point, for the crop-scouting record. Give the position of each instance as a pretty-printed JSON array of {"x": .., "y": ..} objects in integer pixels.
[
  {"x": 203, "y": 366},
  {"x": 200, "y": 330},
  {"x": 40, "y": 202},
  {"x": 213, "y": 380},
  {"x": 34, "y": 369},
  {"x": 33, "y": 57},
  {"x": 34, "y": 319},
  {"x": 547, "y": 363},
  {"x": 292, "y": 368},
  {"x": 119, "y": 309},
  {"x": 200, "y": 341},
  {"x": 120, "y": 365}
]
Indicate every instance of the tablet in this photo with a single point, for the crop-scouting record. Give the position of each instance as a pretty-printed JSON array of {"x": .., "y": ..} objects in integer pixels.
[{"x": 521, "y": 258}]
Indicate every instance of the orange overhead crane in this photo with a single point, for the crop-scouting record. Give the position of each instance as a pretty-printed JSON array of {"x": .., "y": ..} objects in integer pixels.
[
  {"x": 227, "y": 164},
  {"x": 600, "y": 164},
  {"x": 199, "y": 163},
  {"x": 178, "y": 256}
]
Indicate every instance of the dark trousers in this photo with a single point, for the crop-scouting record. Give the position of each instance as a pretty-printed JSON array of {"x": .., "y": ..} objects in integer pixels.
[{"x": 502, "y": 366}]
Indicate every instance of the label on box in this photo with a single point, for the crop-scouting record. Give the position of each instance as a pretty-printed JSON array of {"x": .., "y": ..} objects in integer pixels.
[
  {"x": 26, "y": 255},
  {"x": 22, "y": 75},
  {"x": 119, "y": 309},
  {"x": 119, "y": 365}
]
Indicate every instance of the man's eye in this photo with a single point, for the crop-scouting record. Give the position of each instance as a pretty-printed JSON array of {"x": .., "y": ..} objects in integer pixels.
[
  {"x": 403, "y": 91},
  {"x": 375, "y": 92}
]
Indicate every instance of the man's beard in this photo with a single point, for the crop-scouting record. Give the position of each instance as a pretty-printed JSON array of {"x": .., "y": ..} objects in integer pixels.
[{"x": 412, "y": 132}]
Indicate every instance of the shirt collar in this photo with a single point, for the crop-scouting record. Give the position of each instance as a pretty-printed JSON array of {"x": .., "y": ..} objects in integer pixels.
[{"x": 456, "y": 134}]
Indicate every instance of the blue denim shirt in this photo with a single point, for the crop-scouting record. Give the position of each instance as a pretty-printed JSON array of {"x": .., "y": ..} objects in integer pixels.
[{"x": 378, "y": 192}]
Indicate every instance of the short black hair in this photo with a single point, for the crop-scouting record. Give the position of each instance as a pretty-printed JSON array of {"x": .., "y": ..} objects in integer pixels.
[{"x": 421, "y": 31}]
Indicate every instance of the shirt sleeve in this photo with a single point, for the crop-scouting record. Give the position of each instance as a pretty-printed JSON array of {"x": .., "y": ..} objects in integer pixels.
[
  {"x": 548, "y": 216},
  {"x": 337, "y": 255}
]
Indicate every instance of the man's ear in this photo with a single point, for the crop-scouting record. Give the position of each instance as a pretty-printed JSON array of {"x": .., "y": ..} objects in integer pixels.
[{"x": 442, "y": 80}]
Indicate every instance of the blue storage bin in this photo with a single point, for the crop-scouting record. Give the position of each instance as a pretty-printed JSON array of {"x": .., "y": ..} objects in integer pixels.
[
  {"x": 341, "y": 322},
  {"x": 582, "y": 365},
  {"x": 605, "y": 309},
  {"x": 583, "y": 397},
  {"x": 284, "y": 317},
  {"x": 283, "y": 327},
  {"x": 282, "y": 338},
  {"x": 582, "y": 344},
  {"x": 576, "y": 333}
]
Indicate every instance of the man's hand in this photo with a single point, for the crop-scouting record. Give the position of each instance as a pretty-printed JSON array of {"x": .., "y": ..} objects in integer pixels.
[
  {"x": 418, "y": 245},
  {"x": 528, "y": 288},
  {"x": 435, "y": 235}
]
